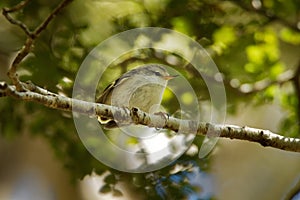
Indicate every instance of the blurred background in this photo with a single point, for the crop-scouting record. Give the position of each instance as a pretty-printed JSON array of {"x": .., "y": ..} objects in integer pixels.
[{"x": 256, "y": 47}]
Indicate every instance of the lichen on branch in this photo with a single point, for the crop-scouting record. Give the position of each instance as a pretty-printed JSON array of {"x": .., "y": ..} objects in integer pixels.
[{"x": 136, "y": 116}]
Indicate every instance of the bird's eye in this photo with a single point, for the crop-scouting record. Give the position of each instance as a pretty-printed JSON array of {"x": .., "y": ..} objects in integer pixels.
[{"x": 157, "y": 73}]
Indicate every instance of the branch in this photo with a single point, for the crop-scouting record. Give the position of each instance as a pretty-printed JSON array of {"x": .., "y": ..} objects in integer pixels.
[
  {"x": 6, "y": 11},
  {"x": 296, "y": 83},
  {"x": 45, "y": 23},
  {"x": 30, "y": 92},
  {"x": 261, "y": 85},
  {"x": 270, "y": 16},
  {"x": 135, "y": 116},
  {"x": 242, "y": 89},
  {"x": 31, "y": 36}
]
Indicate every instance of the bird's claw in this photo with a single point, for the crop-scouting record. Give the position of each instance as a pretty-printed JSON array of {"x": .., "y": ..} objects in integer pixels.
[{"x": 166, "y": 116}]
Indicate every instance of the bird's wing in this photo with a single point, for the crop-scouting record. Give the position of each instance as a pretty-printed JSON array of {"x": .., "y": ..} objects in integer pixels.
[{"x": 107, "y": 92}]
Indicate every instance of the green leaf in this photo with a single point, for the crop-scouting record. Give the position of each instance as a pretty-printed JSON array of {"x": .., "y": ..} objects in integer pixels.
[
  {"x": 290, "y": 36},
  {"x": 110, "y": 179},
  {"x": 105, "y": 189}
]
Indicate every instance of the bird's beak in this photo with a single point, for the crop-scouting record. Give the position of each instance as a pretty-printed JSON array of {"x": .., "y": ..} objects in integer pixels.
[{"x": 169, "y": 77}]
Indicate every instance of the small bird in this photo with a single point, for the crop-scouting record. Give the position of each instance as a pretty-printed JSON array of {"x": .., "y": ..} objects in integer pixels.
[{"x": 141, "y": 88}]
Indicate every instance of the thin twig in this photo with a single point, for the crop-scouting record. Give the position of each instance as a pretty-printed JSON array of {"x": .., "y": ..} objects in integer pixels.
[
  {"x": 31, "y": 36},
  {"x": 136, "y": 116},
  {"x": 12, "y": 72},
  {"x": 261, "y": 85},
  {"x": 17, "y": 7},
  {"x": 6, "y": 11},
  {"x": 45, "y": 23},
  {"x": 270, "y": 16}
]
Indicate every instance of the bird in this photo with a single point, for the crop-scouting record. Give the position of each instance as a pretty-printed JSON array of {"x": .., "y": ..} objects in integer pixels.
[{"x": 141, "y": 87}]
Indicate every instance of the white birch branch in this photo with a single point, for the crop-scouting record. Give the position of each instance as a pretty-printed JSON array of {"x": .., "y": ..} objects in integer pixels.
[{"x": 134, "y": 115}]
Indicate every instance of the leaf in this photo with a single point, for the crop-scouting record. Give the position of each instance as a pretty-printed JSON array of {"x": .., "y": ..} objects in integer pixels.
[
  {"x": 105, "y": 189},
  {"x": 117, "y": 193},
  {"x": 110, "y": 179}
]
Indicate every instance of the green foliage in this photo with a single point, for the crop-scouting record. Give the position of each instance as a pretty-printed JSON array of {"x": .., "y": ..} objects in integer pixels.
[{"x": 248, "y": 46}]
